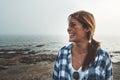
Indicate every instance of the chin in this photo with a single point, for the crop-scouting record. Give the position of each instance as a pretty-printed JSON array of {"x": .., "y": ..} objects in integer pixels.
[{"x": 71, "y": 40}]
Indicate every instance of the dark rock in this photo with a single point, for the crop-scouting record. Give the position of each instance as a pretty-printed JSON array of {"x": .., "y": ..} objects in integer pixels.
[
  {"x": 111, "y": 55},
  {"x": 7, "y": 55},
  {"x": 28, "y": 60},
  {"x": 32, "y": 52},
  {"x": 115, "y": 51},
  {"x": 40, "y": 45},
  {"x": 7, "y": 50},
  {"x": 3, "y": 67},
  {"x": 37, "y": 58},
  {"x": 117, "y": 63}
]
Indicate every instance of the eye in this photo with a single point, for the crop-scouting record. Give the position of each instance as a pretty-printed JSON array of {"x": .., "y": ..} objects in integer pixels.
[{"x": 72, "y": 25}]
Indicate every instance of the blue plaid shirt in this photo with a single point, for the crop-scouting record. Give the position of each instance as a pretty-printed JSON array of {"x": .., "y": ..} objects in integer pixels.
[{"x": 100, "y": 69}]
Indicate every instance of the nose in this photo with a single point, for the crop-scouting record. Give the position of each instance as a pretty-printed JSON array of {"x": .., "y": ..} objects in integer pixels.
[{"x": 69, "y": 28}]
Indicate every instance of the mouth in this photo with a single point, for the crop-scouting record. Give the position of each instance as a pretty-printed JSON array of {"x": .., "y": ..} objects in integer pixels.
[{"x": 71, "y": 35}]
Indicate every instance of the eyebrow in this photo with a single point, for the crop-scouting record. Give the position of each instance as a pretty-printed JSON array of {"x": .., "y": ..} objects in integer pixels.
[{"x": 72, "y": 22}]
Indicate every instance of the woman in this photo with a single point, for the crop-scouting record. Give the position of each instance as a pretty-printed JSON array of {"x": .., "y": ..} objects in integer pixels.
[{"x": 83, "y": 59}]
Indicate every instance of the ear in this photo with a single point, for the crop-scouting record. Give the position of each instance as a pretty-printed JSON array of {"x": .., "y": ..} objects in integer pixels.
[{"x": 86, "y": 30}]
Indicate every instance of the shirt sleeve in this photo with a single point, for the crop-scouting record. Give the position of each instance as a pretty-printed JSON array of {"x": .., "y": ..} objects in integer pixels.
[
  {"x": 108, "y": 75},
  {"x": 56, "y": 68}
]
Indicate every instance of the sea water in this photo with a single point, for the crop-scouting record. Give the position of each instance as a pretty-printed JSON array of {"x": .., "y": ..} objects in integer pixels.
[
  {"x": 40, "y": 44},
  {"x": 37, "y": 43}
]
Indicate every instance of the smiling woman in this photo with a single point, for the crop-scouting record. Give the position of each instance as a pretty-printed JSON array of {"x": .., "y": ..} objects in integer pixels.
[
  {"x": 76, "y": 30},
  {"x": 83, "y": 59}
]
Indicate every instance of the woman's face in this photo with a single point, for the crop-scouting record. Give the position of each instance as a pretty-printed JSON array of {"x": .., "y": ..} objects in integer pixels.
[{"x": 76, "y": 31}]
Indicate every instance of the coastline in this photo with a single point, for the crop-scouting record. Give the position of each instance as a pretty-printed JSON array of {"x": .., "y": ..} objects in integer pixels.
[
  {"x": 26, "y": 66},
  {"x": 33, "y": 67},
  {"x": 116, "y": 71}
]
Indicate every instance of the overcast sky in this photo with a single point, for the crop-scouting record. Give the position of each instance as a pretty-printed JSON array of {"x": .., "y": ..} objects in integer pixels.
[{"x": 36, "y": 17}]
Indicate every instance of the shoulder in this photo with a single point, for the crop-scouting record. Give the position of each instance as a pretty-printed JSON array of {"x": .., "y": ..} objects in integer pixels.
[
  {"x": 103, "y": 53},
  {"x": 65, "y": 50},
  {"x": 103, "y": 56},
  {"x": 67, "y": 47}
]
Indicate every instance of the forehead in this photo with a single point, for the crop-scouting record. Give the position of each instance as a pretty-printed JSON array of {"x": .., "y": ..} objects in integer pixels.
[{"x": 73, "y": 20}]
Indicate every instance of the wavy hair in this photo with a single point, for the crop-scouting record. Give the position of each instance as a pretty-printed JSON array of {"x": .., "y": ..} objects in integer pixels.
[{"x": 87, "y": 20}]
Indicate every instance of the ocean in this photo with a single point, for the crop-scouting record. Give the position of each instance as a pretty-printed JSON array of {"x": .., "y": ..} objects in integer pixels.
[
  {"x": 38, "y": 44},
  {"x": 34, "y": 43}
]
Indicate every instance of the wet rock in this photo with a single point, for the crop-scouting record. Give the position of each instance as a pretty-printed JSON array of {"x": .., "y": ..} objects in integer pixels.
[
  {"x": 28, "y": 60},
  {"x": 40, "y": 45},
  {"x": 115, "y": 51},
  {"x": 14, "y": 51},
  {"x": 37, "y": 58},
  {"x": 7, "y": 55},
  {"x": 7, "y": 50},
  {"x": 3, "y": 67},
  {"x": 111, "y": 55},
  {"x": 32, "y": 52}
]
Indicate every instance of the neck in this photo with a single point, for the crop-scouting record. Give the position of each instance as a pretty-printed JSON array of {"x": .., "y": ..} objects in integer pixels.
[{"x": 80, "y": 47}]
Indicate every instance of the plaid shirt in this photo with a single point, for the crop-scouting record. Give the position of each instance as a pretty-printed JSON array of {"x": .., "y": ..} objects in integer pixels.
[{"x": 100, "y": 69}]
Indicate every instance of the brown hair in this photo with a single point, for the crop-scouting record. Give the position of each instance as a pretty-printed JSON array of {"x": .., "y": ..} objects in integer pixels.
[{"x": 87, "y": 20}]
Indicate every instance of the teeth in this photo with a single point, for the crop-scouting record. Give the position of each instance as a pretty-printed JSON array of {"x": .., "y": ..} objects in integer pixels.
[{"x": 71, "y": 34}]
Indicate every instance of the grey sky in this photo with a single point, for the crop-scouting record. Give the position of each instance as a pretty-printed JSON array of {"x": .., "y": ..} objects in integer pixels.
[{"x": 50, "y": 16}]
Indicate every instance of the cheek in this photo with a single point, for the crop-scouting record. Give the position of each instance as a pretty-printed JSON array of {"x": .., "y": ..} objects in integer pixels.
[{"x": 81, "y": 33}]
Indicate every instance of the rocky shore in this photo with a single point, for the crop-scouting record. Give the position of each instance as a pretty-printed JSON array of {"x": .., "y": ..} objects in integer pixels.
[
  {"x": 33, "y": 67},
  {"x": 26, "y": 66}
]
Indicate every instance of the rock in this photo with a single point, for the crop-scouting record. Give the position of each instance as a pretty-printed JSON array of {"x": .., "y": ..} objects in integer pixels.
[
  {"x": 111, "y": 55},
  {"x": 31, "y": 52},
  {"x": 40, "y": 45},
  {"x": 28, "y": 60},
  {"x": 115, "y": 51},
  {"x": 3, "y": 67},
  {"x": 46, "y": 76},
  {"x": 37, "y": 58},
  {"x": 14, "y": 51}
]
